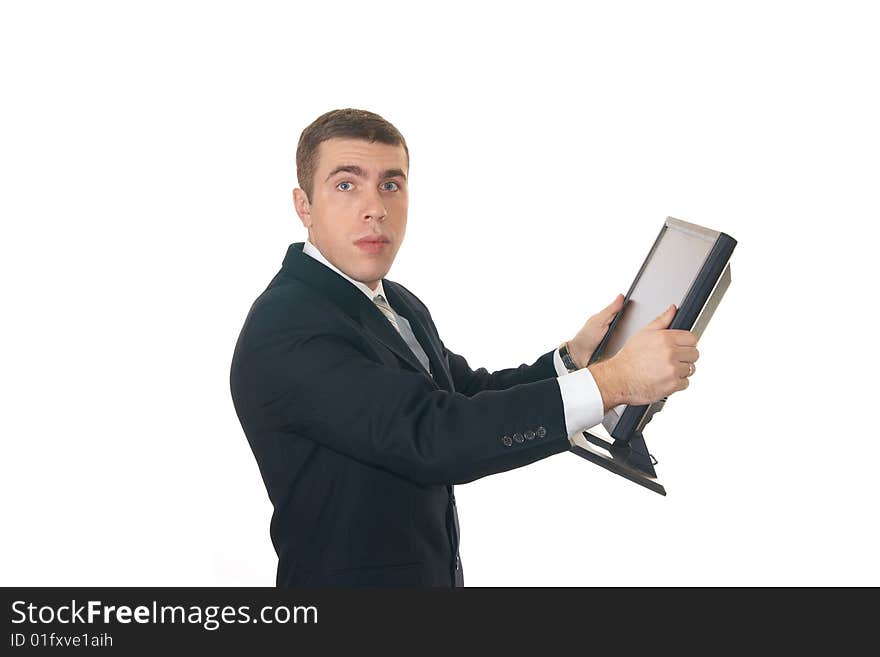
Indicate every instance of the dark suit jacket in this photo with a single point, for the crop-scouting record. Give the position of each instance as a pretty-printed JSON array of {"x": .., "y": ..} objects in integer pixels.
[{"x": 358, "y": 445}]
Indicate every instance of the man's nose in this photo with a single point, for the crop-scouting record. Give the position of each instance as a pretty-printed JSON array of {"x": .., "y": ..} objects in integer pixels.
[{"x": 374, "y": 208}]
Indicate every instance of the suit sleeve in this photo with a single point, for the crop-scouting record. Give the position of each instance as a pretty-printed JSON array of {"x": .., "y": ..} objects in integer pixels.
[
  {"x": 469, "y": 382},
  {"x": 311, "y": 382}
]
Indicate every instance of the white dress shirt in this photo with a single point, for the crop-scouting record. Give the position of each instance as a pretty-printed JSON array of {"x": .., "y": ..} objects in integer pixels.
[{"x": 581, "y": 399}]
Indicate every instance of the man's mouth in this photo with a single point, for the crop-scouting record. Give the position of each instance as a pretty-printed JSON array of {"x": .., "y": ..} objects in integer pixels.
[{"x": 372, "y": 244}]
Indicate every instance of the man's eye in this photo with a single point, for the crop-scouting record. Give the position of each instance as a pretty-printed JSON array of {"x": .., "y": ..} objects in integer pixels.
[
  {"x": 344, "y": 189},
  {"x": 393, "y": 187}
]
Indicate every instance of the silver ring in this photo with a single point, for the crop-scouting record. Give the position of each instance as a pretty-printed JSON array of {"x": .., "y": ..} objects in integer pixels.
[{"x": 693, "y": 369}]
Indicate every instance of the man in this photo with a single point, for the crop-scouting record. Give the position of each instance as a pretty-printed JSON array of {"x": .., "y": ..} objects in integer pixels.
[{"x": 360, "y": 417}]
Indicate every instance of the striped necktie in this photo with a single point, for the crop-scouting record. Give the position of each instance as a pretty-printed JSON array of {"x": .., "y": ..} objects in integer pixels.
[
  {"x": 405, "y": 331},
  {"x": 382, "y": 305}
]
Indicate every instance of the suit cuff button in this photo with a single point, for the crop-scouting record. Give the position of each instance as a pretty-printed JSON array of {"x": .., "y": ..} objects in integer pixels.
[
  {"x": 507, "y": 441},
  {"x": 529, "y": 434},
  {"x": 518, "y": 437},
  {"x": 541, "y": 432}
]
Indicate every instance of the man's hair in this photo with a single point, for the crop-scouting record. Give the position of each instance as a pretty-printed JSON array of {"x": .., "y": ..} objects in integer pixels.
[{"x": 344, "y": 124}]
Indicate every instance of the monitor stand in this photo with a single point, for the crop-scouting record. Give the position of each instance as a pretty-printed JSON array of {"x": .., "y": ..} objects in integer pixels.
[{"x": 629, "y": 459}]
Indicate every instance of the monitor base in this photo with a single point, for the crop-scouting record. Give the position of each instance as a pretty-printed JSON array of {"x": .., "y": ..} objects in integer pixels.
[{"x": 630, "y": 460}]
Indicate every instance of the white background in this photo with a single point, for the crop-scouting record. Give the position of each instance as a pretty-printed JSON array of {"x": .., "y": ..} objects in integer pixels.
[{"x": 147, "y": 161}]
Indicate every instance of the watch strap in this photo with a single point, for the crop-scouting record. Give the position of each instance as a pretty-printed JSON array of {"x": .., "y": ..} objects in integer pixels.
[{"x": 567, "y": 360}]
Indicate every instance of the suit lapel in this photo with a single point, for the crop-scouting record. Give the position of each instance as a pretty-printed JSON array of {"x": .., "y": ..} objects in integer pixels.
[
  {"x": 357, "y": 306},
  {"x": 375, "y": 323},
  {"x": 419, "y": 324}
]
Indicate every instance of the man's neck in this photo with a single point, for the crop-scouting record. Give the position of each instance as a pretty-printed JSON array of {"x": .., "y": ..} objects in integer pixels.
[{"x": 312, "y": 250}]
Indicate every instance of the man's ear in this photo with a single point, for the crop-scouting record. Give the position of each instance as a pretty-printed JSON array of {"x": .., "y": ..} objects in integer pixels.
[{"x": 302, "y": 206}]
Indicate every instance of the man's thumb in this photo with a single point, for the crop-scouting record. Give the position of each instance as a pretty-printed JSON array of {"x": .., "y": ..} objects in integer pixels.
[
  {"x": 664, "y": 319},
  {"x": 614, "y": 307}
]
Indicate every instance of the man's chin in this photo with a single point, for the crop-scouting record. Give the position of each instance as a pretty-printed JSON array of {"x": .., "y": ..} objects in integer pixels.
[{"x": 368, "y": 276}]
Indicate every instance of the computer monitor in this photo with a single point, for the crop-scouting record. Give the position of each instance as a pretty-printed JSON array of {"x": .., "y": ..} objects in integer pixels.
[{"x": 688, "y": 265}]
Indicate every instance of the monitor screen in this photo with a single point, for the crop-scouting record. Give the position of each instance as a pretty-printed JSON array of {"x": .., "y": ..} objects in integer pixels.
[{"x": 667, "y": 275}]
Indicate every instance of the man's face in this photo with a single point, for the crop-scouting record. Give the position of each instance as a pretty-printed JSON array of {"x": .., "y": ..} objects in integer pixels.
[{"x": 357, "y": 213}]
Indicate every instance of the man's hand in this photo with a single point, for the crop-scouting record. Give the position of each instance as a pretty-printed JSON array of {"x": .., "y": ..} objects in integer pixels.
[
  {"x": 588, "y": 338},
  {"x": 654, "y": 363}
]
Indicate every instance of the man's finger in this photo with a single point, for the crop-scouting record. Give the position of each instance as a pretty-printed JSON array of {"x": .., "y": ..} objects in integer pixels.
[
  {"x": 609, "y": 311},
  {"x": 663, "y": 319},
  {"x": 615, "y": 305},
  {"x": 687, "y": 354},
  {"x": 683, "y": 338}
]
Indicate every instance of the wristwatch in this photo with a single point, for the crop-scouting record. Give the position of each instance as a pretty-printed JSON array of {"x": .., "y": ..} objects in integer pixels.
[{"x": 567, "y": 360}]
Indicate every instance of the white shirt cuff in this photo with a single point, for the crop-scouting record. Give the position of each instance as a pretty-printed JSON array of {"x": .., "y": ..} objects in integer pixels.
[
  {"x": 558, "y": 364},
  {"x": 581, "y": 398}
]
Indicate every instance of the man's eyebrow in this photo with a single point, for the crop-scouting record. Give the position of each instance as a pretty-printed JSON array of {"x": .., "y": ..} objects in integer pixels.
[
  {"x": 358, "y": 171},
  {"x": 348, "y": 168},
  {"x": 393, "y": 173}
]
